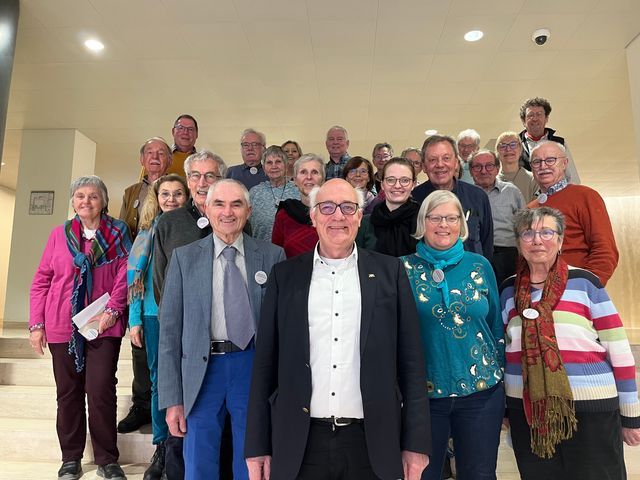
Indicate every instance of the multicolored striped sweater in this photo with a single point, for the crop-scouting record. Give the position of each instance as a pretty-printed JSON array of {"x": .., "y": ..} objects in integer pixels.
[{"x": 593, "y": 346}]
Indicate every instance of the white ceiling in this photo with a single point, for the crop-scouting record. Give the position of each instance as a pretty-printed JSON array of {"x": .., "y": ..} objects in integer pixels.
[{"x": 386, "y": 70}]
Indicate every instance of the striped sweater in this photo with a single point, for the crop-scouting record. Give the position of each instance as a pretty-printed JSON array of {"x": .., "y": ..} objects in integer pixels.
[{"x": 593, "y": 346}]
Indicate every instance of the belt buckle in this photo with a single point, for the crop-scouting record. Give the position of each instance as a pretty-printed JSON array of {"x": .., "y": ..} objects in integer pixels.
[
  {"x": 340, "y": 424},
  {"x": 217, "y": 341}
]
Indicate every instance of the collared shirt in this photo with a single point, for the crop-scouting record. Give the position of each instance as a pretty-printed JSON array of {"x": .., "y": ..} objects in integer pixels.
[
  {"x": 334, "y": 337},
  {"x": 248, "y": 176},
  {"x": 333, "y": 169},
  {"x": 218, "y": 319},
  {"x": 505, "y": 199}
]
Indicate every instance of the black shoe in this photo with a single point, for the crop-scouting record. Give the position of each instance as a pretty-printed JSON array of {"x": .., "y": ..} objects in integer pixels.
[
  {"x": 156, "y": 469},
  {"x": 70, "y": 470},
  {"x": 136, "y": 418},
  {"x": 111, "y": 472}
]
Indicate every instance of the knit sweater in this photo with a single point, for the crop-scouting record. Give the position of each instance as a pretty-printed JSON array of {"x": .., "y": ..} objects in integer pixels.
[
  {"x": 593, "y": 346},
  {"x": 265, "y": 199},
  {"x": 294, "y": 237},
  {"x": 463, "y": 343},
  {"x": 588, "y": 239}
]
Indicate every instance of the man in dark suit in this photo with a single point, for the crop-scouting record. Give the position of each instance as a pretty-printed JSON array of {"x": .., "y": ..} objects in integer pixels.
[
  {"x": 211, "y": 301},
  {"x": 338, "y": 387}
]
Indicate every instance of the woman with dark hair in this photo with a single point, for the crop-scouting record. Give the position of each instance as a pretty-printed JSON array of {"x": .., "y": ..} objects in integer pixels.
[
  {"x": 84, "y": 259},
  {"x": 358, "y": 171},
  {"x": 294, "y": 152},
  {"x": 570, "y": 376},
  {"x": 292, "y": 229},
  {"x": 390, "y": 227},
  {"x": 167, "y": 193}
]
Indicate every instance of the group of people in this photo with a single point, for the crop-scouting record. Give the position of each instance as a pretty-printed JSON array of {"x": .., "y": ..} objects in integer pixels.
[{"x": 291, "y": 318}]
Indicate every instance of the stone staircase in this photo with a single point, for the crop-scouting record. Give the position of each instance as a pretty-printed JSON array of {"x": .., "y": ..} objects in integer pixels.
[{"x": 28, "y": 443}]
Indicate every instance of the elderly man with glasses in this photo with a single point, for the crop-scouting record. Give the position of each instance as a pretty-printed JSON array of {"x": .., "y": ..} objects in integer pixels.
[
  {"x": 589, "y": 242},
  {"x": 250, "y": 173},
  {"x": 338, "y": 377},
  {"x": 505, "y": 200}
]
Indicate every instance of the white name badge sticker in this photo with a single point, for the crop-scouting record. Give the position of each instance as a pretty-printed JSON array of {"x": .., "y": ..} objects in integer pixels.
[
  {"x": 253, "y": 170},
  {"x": 203, "y": 222},
  {"x": 530, "y": 313},
  {"x": 261, "y": 277}
]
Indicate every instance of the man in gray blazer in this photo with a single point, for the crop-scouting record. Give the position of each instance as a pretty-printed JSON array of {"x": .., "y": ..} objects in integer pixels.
[{"x": 211, "y": 303}]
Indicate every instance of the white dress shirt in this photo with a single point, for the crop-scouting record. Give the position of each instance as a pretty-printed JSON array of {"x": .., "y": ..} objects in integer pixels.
[
  {"x": 334, "y": 337},
  {"x": 218, "y": 320}
]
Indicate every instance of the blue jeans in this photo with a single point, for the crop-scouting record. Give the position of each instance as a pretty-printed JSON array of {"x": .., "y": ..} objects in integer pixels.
[
  {"x": 474, "y": 423},
  {"x": 225, "y": 388},
  {"x": 151, "y": 330}
]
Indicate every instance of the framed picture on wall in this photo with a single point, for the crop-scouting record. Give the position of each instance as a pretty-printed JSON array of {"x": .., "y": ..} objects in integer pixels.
[{"x": 41, "y": 203}]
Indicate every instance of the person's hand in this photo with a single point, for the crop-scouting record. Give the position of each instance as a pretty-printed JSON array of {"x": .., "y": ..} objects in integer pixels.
[
  {"x": 176, "y": 420},
  {"x": 631, "y": 436},
  {"x": 259, "y": 467},
  {"x": 413, "y": 464},
  {"x": 135, "y": 333},
  {"x": 505, "y": 423},
  {"x": 38, "y": 340},
  {"x": 106, "y": 319}
]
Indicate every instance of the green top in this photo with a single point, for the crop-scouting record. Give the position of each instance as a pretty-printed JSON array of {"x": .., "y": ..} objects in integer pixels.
[{"x": 464, "y": 343}]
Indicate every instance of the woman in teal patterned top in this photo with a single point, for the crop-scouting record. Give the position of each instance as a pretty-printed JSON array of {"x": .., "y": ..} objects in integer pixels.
[{"x": 463, "y": 337}]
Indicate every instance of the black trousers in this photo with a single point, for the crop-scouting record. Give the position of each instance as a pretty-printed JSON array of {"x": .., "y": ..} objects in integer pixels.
[
  {"x": 141, "y": 385},
  {"x": 593, "y": 453},
  {"x": 339, "y": 454},
  {"x": 504, "y": 262}
]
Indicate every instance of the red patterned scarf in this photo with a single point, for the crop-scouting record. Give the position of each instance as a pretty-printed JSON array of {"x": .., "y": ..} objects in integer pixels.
[{"x": 547, "y": 396}]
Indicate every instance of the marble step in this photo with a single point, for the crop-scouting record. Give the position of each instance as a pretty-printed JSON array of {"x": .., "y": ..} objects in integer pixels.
[
  {"x": 39, "y": 372},
  {"x": 39, "y": 402},
  {"x": 20, "y": 438},
  {"x": 25, "y": 470}
]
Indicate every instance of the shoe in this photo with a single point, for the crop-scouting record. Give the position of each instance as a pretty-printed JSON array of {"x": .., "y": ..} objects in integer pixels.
[
  {"x": 156, "y": 469},
  {"x": 70, "y": 470},
  {"x": 111, "y": 471},
  {"x": 136, "y": 418}
]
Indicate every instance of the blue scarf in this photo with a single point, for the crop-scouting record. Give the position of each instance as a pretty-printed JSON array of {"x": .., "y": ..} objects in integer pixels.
[
  {"x": 110, "y": 243},
  {"x": 441, "y": 259},
  {"x": 139, "y": 261}
]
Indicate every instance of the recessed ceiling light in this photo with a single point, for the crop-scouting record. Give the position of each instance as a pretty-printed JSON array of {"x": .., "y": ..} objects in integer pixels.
[
  {"x": 2, "y": 164},
  {"x": 94, "y": 45},
  {"x": 473, "y": 35},
  {"x": 428, "y": 133}
]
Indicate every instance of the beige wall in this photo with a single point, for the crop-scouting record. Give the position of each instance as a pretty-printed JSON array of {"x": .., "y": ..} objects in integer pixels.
[
  {"x": 633, "y": 66},
  {"x": 7, "y": 201}
]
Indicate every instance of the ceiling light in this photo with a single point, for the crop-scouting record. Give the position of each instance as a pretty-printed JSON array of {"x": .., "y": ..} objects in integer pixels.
[
  {"x": 473, "y": 35},
  {"x": 430, "y": 132},
  {"x": 94, "y": 45}
]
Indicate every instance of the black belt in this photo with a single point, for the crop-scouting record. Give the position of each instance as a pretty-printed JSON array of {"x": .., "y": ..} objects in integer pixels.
[
  {"x": 336, "y": 421},
  {"x": 220, "y": 347}
]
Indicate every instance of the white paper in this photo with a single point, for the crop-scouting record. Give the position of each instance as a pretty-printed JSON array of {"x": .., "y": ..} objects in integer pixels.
[{"x": 88, "y": 329}]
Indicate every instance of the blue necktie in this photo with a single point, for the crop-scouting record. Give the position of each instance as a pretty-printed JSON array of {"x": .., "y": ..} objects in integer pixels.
[{"x": 237, "y": 309}]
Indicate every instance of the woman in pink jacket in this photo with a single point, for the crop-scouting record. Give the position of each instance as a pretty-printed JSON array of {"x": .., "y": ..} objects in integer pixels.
[{"x": 83, "y": 259}]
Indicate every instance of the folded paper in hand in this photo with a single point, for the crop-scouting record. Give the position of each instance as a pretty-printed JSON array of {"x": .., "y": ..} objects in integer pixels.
[{"x": 82, "y": 319}]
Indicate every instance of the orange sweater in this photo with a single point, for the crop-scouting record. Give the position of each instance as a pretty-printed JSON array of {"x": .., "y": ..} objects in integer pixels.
[{"x": 588, "y": 238}]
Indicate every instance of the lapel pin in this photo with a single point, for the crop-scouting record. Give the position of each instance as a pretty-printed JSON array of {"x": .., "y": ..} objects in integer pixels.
[{"x": 372, "y": 275}]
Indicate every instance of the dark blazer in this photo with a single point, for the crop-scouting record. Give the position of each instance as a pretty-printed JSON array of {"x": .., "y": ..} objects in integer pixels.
[
  {"x": 185, "y": 316},
  {"x": 392, "y": 371}
]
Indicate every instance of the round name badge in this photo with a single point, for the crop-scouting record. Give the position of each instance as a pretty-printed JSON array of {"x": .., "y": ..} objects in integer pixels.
[
  {"x": 542, "y": 198},
  {"x": 437, "y": 275},
  {"x": 261, "y": 277},
  {"x": 253, "y": 170},
  {"x": 136, "y": 203},
  {"x": 203, "y": 222},
  {"x": 530, "y": 313}
]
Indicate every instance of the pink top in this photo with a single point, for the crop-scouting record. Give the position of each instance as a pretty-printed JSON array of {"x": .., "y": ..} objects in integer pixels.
[{"x": 52, "y": 286}]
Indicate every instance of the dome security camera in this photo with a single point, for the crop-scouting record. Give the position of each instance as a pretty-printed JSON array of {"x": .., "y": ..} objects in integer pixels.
[{"x": 540, "y": 36}]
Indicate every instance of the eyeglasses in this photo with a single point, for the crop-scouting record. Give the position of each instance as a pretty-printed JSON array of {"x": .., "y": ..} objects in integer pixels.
[
  {"x": 329, "y": 208},
  {"x": 358, "y": 171},
  {"x": 549, "y": 161},
  {"x": 437, "y": 219},
  {"x": 168, "y": 195},
  {"x": 546, "y": 234},
  {"x": 209, "y": 177},
  {"x": 182, "y": 128},
  {"x": 508, "y": 146},
  {"x": 535, "y": 115},
  {"x": 404, "y": 181},
  {"x": 489, "y": 167},
  {"x": 246, "y": 145}
]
